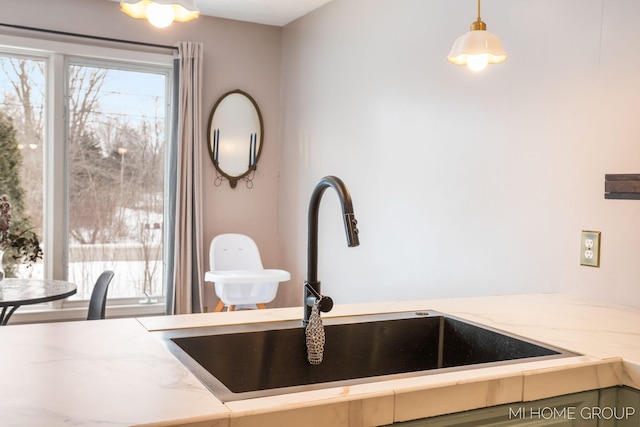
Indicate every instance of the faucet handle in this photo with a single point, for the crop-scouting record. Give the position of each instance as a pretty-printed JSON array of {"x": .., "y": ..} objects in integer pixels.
[{"x": 326, "y": 304}]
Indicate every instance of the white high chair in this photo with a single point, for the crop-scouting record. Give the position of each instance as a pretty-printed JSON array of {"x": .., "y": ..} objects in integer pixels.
[{"x": 238, "y": 275}]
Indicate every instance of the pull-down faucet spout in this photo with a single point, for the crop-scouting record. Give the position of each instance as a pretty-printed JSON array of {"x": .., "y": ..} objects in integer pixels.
[{"x": 311, "y": 289}]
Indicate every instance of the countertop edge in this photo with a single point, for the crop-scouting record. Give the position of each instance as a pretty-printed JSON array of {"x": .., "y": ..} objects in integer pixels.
[{"x": 405, "y": 398}]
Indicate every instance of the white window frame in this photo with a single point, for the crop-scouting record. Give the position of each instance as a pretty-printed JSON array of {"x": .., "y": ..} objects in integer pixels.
[{"x": 57, "y": 56}]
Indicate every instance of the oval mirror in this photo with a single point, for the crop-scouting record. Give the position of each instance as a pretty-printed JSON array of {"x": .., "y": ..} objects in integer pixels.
[{"x": 235, "y": 136}]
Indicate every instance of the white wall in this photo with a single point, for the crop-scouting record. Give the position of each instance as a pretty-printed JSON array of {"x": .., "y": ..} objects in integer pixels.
[{"x": 463, "y": 183}]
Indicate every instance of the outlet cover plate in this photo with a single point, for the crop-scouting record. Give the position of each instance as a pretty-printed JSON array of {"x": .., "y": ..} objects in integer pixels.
[{"x": 590, "y": 248}]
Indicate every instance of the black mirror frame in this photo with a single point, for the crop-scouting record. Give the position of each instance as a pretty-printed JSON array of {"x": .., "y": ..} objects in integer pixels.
[{"x": 247, "y": 176}]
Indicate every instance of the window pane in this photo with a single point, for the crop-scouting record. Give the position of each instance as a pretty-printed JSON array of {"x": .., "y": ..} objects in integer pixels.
[
  {"x": 116, "y": 162},
  {"x": 22, "y": 113}
]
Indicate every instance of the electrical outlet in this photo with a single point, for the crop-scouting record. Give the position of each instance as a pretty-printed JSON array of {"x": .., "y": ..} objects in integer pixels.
[{"x": 590, "y": 248}]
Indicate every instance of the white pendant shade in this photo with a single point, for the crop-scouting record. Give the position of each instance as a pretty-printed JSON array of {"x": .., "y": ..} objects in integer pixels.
[
  {"x": 161, "y": 13},
  {"x": 477, "y": 45},
  {"x": 477, "y": 48}
]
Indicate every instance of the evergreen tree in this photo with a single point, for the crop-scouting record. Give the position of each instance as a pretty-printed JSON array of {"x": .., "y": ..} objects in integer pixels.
[
  {"x": 11, "y": 185},
  {"x": 10, "y": 164},
  {"x": 92, "y": 199}
]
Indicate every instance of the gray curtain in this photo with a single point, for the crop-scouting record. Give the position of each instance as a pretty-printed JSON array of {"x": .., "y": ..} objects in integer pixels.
[
  {"x": 170, "y": 198},
  {"x": 184, "y": 268}
]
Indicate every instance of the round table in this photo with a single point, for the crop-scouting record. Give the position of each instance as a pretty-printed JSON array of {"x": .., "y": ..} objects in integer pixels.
[{"x": 17, "y": 292}]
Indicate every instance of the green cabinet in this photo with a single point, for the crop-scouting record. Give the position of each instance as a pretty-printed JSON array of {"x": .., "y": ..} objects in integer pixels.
[
  {"x": 619, "y": 407},
  {"x": 611, "y": 407}
]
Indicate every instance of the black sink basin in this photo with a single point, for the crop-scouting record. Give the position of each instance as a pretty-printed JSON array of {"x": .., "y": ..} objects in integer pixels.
[{"x": 264, "y": 359}]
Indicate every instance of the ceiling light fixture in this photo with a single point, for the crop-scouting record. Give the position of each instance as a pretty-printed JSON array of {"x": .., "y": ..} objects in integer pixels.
[
  {"x": 161, "y": 13},
  {"x": 477, "y": 48}
]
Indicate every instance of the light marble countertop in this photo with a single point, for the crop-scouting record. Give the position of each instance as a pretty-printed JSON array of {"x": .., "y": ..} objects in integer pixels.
[{"x": 114, "y": 373}]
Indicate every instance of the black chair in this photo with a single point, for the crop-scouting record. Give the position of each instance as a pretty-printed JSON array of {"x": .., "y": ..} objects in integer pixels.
[{"x": 98, "y": 301}]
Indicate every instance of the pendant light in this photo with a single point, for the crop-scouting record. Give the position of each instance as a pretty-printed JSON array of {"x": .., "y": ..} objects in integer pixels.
[
  {"x": 161, "y": 13},
  {"x": 477, "y": 48}
]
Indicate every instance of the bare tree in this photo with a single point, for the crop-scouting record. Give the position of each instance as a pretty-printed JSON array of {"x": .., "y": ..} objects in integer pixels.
[
  {"x": 115, "y": 165},
  {"x": 91, "y": 195},
  {"x": 83, "y": 98},
  {"x": 88, "y": 205},
  {"x": 30, "y": 126}
]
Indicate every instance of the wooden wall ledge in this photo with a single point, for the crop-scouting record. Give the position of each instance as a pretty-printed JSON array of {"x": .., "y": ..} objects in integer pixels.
[{"x": 622, "y": 186}]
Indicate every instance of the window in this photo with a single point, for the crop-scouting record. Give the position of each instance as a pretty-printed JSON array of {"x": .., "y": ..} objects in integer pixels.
[
  {"x": 94, "y": 123},
  {"x": 116, "y": 128}
]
